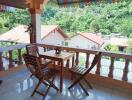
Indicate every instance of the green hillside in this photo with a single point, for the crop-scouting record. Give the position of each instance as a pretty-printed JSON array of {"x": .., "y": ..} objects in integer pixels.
[{"x": 96, "y": 17}]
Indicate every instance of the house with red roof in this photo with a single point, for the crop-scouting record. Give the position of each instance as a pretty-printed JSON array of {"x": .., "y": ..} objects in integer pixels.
[
  {"x": 50, "y": 34},
  {"x": 86, "y": 40}
]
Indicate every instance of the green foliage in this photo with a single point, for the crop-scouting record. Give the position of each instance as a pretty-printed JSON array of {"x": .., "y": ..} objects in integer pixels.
[
  {"x": 129, "y": 49},
  {"x": 101, "y": 17},
  {"x": 9, "y": 20},
  {"x": 110, "y": 47}
]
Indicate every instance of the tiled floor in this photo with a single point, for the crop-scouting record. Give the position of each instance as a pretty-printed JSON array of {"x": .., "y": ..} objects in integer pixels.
[{"x": 19, "y": 86}]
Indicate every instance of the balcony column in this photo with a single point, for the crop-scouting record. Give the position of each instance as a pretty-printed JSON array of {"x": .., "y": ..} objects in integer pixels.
[
  {"x": 35, "y": 8},
  {"x": 35, "y": 35}
]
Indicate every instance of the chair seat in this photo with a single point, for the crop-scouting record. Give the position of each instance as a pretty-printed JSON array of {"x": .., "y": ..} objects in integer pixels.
[
  {"x": 44, "y": 63},
  {"x": 48, "y": 73},
  {"x": 78, "y": 70}
]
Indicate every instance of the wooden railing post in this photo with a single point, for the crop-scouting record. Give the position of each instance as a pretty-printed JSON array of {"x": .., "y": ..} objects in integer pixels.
[
  {"x": 77, "y": 58},
  {"x": 19, "y": 57},
  {"x": 98, "y": 67},
  {"x": 125, "y": 71},
  {"x": 10, "y": 59},
  {"x": 44, "y": 49},
  {"x": 68, "y": 62},
  {"x": 111, "y": 69},
  {"x": 1, "y": 61},
  {"x": 87, "y": 60},
  {"x": 73, "y": 61}
]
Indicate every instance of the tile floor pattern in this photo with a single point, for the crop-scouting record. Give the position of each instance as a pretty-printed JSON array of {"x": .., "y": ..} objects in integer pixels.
[{"x": 19, "y": 86}]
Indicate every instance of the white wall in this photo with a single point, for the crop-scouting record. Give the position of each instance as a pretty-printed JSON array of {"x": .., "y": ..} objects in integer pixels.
[
  {"x": 53, "y": 38},
  {"x": 81, "y": 42}
]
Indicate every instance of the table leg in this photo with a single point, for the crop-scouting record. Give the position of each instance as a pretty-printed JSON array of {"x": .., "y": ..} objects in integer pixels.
[
  {"x": 61, "y": 76},
  {"x": 0, "y": 81}
]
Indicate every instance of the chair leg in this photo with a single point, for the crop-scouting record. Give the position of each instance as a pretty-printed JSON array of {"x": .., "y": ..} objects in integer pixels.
[
  {"x": 83, "y": 89},
  {"x": 36, "y": 88},
  {"x": 48, "y": 89},
  {"x": 74, "y": 83},
  {"x": 31, "y": 75},
  {"x": 45, "y": 83},
  {"x": 52, "y": 85},
  {"x": 88, "y": 83}
]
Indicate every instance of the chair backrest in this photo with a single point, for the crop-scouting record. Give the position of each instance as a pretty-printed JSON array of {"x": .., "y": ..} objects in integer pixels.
[
  {"x": 33, "y": 64},
  {"x": 94, "y": 62},
  {"x": 32, "y": 50}
]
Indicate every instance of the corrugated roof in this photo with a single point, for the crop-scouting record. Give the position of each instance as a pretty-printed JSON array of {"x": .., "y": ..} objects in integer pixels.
[{"x": 18, "y": 33}]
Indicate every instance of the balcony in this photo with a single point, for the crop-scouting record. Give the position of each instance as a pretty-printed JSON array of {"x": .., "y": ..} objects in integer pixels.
[{"x": 115, "y": 75}]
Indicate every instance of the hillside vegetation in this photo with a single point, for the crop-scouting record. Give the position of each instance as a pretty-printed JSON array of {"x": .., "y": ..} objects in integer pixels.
[{"x": 96, "y": 17}]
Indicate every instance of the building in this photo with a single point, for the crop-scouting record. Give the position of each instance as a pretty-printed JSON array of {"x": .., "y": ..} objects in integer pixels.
[
  {"x": 86, "y": 40},
  {"x": 50, "y": 34},
  {"x": 121, "y": 43}
]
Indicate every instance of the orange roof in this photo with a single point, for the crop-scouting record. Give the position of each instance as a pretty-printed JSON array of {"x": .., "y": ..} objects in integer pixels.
[
  {"x": 92, "y": 37},
  {"x": 18, "y": 33}
]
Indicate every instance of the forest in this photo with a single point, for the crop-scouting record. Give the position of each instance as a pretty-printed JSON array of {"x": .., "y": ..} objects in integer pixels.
[{"x": 105, "y": 18}]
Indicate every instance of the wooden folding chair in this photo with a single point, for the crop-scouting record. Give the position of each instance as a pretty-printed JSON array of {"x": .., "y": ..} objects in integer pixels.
[
  {"x": 45, "y": 76},
  {"x": 79, "y": 73},
  {"x": 32, "y": 49}
]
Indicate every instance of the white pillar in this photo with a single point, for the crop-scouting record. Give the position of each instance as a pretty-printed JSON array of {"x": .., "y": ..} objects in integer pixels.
[{"x": 36, "y": 22}]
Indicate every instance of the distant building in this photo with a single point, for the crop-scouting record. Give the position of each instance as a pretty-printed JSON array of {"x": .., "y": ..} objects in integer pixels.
[
  {"x": 50, "y": 34},
  {"x": 86, "y": 40},
  {"x": 121, "y": 43}
]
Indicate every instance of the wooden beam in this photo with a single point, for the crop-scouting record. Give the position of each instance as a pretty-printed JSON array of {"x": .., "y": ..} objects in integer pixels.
[
  {"x": 15, "y": 3},
  {"x": 37, "y": 4}
]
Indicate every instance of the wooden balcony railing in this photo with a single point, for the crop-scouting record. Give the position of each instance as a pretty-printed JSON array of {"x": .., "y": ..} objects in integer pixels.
[
  {"x": 9, "y": 55},
  {"x": 125, "y": 72},
  {"x": 112, "y": 58}
]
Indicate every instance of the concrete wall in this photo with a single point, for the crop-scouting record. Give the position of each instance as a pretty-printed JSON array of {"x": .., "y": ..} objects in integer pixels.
[
  {"x": 53, "y": 38},
  {"x": 81, "y": 42}
]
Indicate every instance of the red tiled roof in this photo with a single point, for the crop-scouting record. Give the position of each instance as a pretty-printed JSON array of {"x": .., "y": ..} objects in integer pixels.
[
  {"x": 18, "y": 33},
  {"x": 46, "y": 29},
  {"x": 92, "y": 37}
]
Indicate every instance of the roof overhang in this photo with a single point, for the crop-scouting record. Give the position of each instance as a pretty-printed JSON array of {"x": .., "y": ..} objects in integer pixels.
[
  {"x": 15, "y": 3},
  {"x": 32, "y": 4}
]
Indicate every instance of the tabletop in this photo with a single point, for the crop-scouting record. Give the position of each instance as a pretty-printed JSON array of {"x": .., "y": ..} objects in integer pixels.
[{"x": 51, "y": 55}]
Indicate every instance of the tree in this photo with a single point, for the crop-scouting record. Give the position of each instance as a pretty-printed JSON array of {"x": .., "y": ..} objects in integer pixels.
[{"x": 110, "y": 47}]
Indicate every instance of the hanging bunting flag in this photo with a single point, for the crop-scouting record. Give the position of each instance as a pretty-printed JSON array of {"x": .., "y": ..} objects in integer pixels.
[
  {"x": 5, "y": 8},
  {"x": 81, "y": 3}
]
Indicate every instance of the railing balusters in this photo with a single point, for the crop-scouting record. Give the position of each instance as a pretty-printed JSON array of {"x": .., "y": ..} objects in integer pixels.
[
  {"x": 87, "y": 60},
  {"x": 77, "y": 58},
  {"x": 1, "y": 61},
  {"x": 111, "y": 69},
  {"x": 98, "y": 67},
  {"x": 73, "y": 61},
  {"x": 10, "y": 59},
  {"x": 125, "y": 71},
  {"x": 19, "y": 57},
  {"x": 44, "y": 49},
  {"x": 68, "y": 62}
]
